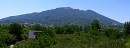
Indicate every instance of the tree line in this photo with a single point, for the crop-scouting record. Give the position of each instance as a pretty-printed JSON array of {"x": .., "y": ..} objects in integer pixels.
[{"x": 58, "y": 36}]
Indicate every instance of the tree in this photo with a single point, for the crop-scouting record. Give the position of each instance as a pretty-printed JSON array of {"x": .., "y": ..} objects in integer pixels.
[
  {"x": 11, "y": 39},
  {"x": 69, "y": 29},
  {"x": 46, "y": 38},
  {"x": 37, "y": 27},
  {"x": 24, "y": 34},
  {"x": 59, "y": 30},
  {"x": 3, "y": 37},
  {"x": 113, "y": 33},
  {"x": 15, "y": 29},
  {"x": 96, "y": 25},
  {"x": 6, "y": 39},
  {"x": 127, "y": 27}
]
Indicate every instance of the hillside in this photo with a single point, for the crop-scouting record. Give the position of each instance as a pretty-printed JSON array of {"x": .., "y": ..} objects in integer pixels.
[{"x": 61, "y": 16}]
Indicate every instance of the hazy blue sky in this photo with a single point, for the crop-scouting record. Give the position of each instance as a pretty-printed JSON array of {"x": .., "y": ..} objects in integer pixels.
[{"x": 115, "y": 9}]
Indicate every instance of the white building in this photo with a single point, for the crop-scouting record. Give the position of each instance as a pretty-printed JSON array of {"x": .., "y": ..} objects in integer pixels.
[{"x": 33, "y": 34}]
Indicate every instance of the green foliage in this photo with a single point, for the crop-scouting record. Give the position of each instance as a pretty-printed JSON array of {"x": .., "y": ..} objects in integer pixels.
[
  {"x": 48, "y": 32},
  {"x": 128, "y": 43},
  {"x": 46, "y": 38},
  {"x": 127, "y": 27},
  {"x": 96, "y": 25},
  {"x": 113, "y": 33},
  {"x": 3, "y": 37},
  {"x": 24, "y": 34},
  {"x": 46, "y": 41},
  {"x": 6, "y": 38},
  {"x": 37, "y": 27},
  {"x": 87, "y": 40},
  {"x": 68, "y": 29},
  {"x": 94, "y": 33},
  {"x": 69, "y": 36},
  {"x": 15, "y": 29},
  {"x": 11, "y": 39},
  {"x": 59, "y": 30},
  {"x": 28, "y": 44}
]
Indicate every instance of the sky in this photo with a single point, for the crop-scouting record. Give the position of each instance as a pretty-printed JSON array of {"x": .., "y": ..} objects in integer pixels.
[{"x": 118, "y": 10}]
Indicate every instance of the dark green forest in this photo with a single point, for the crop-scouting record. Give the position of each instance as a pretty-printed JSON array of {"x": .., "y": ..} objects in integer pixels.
[{"x": 66, "y": 36}]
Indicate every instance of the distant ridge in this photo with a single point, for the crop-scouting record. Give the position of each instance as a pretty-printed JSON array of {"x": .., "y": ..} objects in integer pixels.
[{"x": 61, "y": 16}]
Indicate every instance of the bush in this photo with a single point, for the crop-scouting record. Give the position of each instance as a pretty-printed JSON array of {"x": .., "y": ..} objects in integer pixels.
[
  {"x": 15, "y": 29},
  {"x": 113, "y": 33},
  {"x": 24, "y": 34},
  {"x": 46, "y": 41},
  {"x": 37, "y": 27},
  {"x": 28, "y": 44},
  {"x": 59, "y": 30}
]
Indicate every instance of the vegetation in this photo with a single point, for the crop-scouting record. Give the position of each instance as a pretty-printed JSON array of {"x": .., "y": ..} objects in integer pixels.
[
  {"x": 67, "y": 36},
  {"x": 127, "y": 27},
  {"x": 15, "y": 29},
  {"x": 96, "y": 25}
]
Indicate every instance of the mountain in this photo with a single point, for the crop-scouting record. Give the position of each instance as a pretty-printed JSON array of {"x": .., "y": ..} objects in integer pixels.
[{"x": 60, "y": 16}]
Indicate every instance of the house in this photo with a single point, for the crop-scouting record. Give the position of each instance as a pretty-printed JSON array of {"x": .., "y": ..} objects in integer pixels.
[{"x": 33, "y": 34}]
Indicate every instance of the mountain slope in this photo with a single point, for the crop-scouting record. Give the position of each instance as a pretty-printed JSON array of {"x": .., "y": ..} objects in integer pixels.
[{"x": 60, "y": 16}]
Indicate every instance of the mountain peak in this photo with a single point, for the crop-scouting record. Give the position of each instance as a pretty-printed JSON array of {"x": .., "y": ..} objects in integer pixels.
[
  {"x": 90, "y": 11},
  {"x": 64, "y": 8},
  {"x": 61, "y": 16}
]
